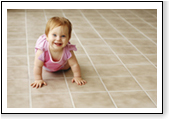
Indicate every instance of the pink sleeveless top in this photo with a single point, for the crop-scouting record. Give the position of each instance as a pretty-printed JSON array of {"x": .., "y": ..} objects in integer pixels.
[{"x": 51, "y": 65}]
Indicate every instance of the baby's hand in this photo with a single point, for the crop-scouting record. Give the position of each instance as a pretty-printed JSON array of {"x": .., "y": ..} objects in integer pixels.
[
  {"x": 38, "y": 83},
  {"x": 79, "y": 81}
]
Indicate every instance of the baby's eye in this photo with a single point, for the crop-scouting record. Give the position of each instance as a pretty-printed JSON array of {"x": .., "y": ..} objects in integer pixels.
[
  {"x": 54, "y": 34},
  {"x": 63, "y": 36}
]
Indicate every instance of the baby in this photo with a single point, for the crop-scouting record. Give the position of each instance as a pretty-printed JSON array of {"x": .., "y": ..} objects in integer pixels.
[{"x": 54, "y": 51}]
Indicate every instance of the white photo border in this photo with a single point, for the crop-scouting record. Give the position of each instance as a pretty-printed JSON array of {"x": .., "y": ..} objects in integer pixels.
[{"x": 81, "y": 5}]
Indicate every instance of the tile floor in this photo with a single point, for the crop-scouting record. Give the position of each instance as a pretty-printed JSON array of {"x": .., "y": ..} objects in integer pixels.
[{"x": 117, "y": 52}]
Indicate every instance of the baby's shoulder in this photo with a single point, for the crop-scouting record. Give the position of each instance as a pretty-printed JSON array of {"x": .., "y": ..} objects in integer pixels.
[{"x": 42, "y": 43}]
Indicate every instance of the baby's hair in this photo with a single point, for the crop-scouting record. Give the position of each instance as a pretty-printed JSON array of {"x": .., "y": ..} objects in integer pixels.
[{"x": 58, "y": 21}]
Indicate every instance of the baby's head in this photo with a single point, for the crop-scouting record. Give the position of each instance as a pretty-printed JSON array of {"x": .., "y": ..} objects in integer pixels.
[{"x": 58, "y": 21}]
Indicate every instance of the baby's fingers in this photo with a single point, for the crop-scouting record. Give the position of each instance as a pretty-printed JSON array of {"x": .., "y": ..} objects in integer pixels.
[
  {"x": 34, "y": 85},
  {"x": 45, "y": 83},
  {"x": 84, "y": 82},
  {"x": 37, "y": 86},
  {"x": 73, "y": 80}
]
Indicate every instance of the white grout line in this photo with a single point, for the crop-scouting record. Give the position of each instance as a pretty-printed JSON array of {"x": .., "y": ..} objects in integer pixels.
[
  {"x": 30, "y": 97},
  {"x": 119, "y": 59},
  {"x": 69, "y": 90},
  {"x": 87, "y": 92},
  {"x": 79, "y": 54},
  {"x": 135, "y": 28},
  {"x": 126, "y": 39},
  {"x": 63, "y": 74},
  {"x": 96, "y": 70},
  {"x": 142, "y": 19},
  {"x": 94, "y": 46},
  {"x": 45, "y": 15},
  {"x": 67, "y": 83}
]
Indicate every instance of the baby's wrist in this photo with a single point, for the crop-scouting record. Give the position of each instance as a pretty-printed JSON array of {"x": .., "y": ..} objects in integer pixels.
[{"x": 77, "y": 76}]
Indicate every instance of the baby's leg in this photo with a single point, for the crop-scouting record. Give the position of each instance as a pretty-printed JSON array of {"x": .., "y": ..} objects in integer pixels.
[{"x": 66, "y": 67}]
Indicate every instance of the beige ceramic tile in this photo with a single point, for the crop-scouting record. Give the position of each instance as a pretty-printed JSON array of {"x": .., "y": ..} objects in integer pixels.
[
  {"x": 46, "y": 74},
  {"x": 104, "y": 59},
  {"x": 87, "y": 35},
  {"x": 95, "y": 50},
  {"x": 133, "y": 59},
  {"x": 16, "y": 51},
  {"x": 32, "y": 42},
  {"x": 104, "y": 29},
  {"x": 54, "y": 85},
  {"x": 36, "y": 23},
  {"x": 83, "y": 60},
  {"x": 120, "y": 24},
  {"x": 53, "y": 10},
  {"x": 148, "y": 82},
  {"x": 15, "y": 15},
  {"x": 86, "y": 70},
  {"x": 15, "y": 10},
  {"x": 56, "y": 93},
  {"x": 16, "y": 35},
  {"x": 88, "y": 11},
  {"x": 147, "y": 29},
  {"x": 151, "y": 35},
  {"x": 31, "y": 60},
  {"x": 148, "y": 49},
  {"x": 17, "y": 61},
  {"x": 140, "y": 24},
  {"x": 34, "y": 10},
  {"x": 153, "y": 95},
  {"x": 135, "y": 20},
  {"x": 112, "y": 70},
  {"x": 34, "y": 35},
  {"x": 142, "y": 70},
  {"x": 152, "y": 58},
  {"x": 125, "y": 50},
  {"x": 133, "y": 99},
  {"x": 17, "y": 87},
  {"x": 93, "y": 84},
  {"x": 120, "y": 83},
  {"x": 110, "y": 35},
  {"x": 92, "y": 100},
  {"x": 18, "y": 43},
  {"x": 51, "y": 101},
  {"x": 133, "y": 35},
  {"x": 83, "y": 24},
  {"x": 117, "y": 42},
  {"x": 126, "y": 29},
  {"x": 16, "y": 29},
  {"x": 91, "y": 42},
  {"x": 83, "y": 30},
  {"x": 33, "y": 30},
  {"x": 17, "y": 101},
  {"x": 16, "y": 22},
  {"x": 142, "y": 42},
  {"x": 17, "y": 73},
  {"x": 80, "y": 50}
]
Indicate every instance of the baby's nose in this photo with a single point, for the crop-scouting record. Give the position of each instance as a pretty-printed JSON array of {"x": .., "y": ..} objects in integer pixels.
[{"x": 58, "y": 38}]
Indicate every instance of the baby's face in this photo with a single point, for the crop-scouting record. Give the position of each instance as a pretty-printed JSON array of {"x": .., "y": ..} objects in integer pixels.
[{"x": 58, "y": 37}]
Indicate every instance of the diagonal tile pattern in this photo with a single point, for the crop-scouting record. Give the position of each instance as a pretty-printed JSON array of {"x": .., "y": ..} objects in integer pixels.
[{"x": 117, "y": 52}]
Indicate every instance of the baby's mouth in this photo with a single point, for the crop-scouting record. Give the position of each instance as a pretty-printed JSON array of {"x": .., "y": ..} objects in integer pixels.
[{"x": 58, "y": 44}]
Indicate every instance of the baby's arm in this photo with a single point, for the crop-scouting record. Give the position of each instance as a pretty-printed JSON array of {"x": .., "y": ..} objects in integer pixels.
[
  {"x": 38, "y": 64},
  {"x": 76, "y": 70}
]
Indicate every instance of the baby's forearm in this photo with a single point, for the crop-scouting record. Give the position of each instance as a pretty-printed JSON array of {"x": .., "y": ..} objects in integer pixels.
[
  {"x": 37, "y": 73},
  {"x": 76, "y": 70}
]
